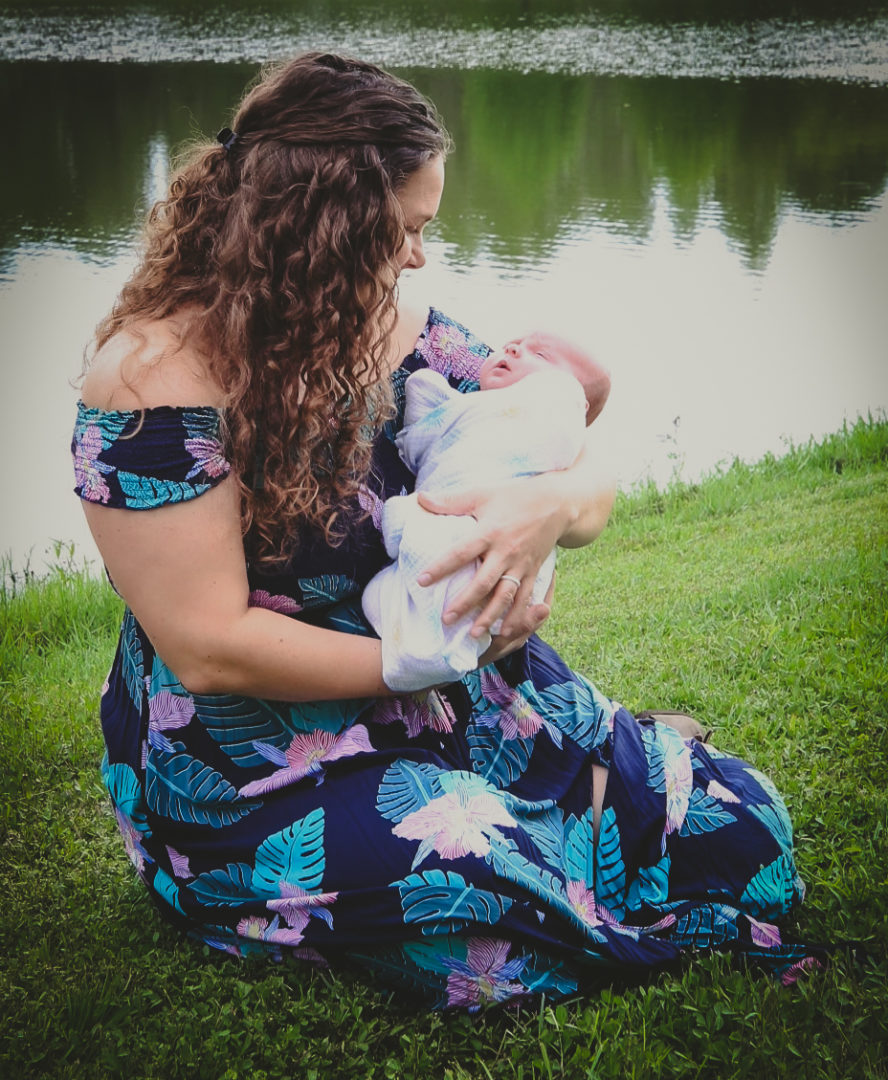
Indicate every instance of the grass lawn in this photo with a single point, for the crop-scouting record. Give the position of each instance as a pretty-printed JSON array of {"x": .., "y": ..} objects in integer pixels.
[{"x": 755, "y": 599}]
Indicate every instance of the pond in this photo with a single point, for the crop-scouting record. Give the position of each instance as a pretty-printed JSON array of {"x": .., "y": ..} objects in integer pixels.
[{"x": 702, "y": 202}]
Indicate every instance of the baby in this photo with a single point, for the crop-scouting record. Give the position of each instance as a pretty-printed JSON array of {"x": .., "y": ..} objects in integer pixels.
[{"x": 548, "y": 391}]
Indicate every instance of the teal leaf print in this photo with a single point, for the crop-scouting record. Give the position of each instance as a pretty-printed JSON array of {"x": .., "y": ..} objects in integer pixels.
[
  {"x": 764, "y": 782},
  {"x": 131, "y": 662},
  {"x": 436, "y": 956},
  {"x": 655, "y": 752},
  {"x": 508, "y": 862},
  {"x": 497, "y": 759},
  {"x": 406, "y": 787},
  {"x": 126, "y": 794},
  {"x": 546, "y": 980},
  {"x": 704, "y": 814},
  {"x": 182, "y": 788},
  {"x": 201, "y": 424},
  {"x": 294, "y": 856},
  {"x": 543, "y": 823},
  {"x": 326, "y": 589},
  {"x": 225, "y": 888},
  {"x": 579, "y": 849},
  {"x": 236, "y": 723},
  {"x": 575, "y": 709},
  {"x": 651, "y": 887},
  {"x": 347, "y": 618},
  {"x": 167, "y": 889},
  {"x": 705, "y": 926},
  {"x": 443, "y": 902},
  {"x": 416, "y": 978},
  {"x": 331, "y": 716},
  {"x": 610, "y": 871},
  {"x": 776, "y": 820},
  {"x": 772, "y": 890},
  {"x": 145, "y": 492},
  {"x": 163, "y": 679}
]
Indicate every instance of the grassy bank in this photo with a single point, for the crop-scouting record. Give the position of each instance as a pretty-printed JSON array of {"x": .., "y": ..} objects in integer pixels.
[{"x": 756, "y": 599}]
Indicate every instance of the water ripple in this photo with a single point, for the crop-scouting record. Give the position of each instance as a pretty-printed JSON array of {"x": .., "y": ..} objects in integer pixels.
[{"x": 849, "y": 50}]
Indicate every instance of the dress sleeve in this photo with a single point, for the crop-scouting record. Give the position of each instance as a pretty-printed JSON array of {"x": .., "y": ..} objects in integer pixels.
[{"x": 145, "y": 459}]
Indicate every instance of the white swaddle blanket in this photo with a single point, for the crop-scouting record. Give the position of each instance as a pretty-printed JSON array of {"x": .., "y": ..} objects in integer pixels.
[{"x": 454, "y": 442}]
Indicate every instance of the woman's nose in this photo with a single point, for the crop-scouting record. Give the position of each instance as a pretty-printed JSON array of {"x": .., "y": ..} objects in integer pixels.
[{"x": 416, "y": 258}]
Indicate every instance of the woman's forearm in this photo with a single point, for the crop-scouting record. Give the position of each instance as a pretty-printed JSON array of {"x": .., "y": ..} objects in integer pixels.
[
  {"x": 587, "y": 490},
  {"x": 267, "y": 655}
]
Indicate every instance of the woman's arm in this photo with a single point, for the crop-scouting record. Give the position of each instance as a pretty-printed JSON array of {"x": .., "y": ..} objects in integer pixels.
[
  {"x": 181, "y": 568},
  {"x": 521, "y": 521},
  {"x": 182, "y": 572}
]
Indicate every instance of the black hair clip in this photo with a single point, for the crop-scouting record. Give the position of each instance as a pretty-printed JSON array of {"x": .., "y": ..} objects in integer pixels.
[{"x": 227, "y": 138}]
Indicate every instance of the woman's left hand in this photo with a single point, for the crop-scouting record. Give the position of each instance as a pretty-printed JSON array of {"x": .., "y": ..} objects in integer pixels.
[
  {"x": 519, "y": 524},
  {"x": 520, "y": 521}
]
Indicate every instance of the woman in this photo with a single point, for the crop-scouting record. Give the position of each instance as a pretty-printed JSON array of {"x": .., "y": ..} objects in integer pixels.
[{"x": 484, "y": 841}]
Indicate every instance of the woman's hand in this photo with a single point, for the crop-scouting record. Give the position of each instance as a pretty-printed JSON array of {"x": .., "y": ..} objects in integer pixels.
[
  {"x": 519, "y": 524},
  {"x": 518, "y": 527},
  {"x": 533, "y": 617}
]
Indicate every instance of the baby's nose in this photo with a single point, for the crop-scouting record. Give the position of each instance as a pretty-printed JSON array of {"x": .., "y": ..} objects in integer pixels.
[{"x": 512, "y": 349}]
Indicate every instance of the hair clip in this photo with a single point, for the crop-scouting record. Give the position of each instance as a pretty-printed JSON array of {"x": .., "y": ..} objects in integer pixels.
[{"x": 227, "y": 138}]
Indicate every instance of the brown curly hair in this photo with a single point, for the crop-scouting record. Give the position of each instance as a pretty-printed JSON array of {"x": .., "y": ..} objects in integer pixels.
[{"x": 281, "y": 253}]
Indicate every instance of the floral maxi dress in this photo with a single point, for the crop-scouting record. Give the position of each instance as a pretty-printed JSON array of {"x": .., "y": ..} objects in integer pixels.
[{"x": 443, "y": 840}]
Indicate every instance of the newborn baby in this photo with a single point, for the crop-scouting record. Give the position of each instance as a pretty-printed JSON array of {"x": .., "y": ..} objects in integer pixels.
[{"x": 547, "y": 392}]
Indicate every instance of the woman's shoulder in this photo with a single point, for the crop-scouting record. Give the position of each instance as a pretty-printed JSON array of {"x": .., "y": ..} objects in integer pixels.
[{"x": 146, "y": 365}]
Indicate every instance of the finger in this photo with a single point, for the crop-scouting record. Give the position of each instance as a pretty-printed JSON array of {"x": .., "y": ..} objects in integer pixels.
[
  {"x": 477, "y": 594},
  {"x": 463, "y": 503},
  {"x": 463, "y": 554},
  {"x": 502, "y": 599},
  {"x": 532, "y": 616}
]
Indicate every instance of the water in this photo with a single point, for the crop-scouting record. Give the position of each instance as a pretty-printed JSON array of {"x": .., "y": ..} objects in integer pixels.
[{"x": 702, "y": 203}]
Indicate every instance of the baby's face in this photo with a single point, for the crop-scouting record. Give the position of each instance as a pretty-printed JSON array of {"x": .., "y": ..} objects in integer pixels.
[{"x": 524, "y": 355}]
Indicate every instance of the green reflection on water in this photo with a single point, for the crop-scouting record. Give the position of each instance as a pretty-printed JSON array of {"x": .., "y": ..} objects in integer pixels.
[{"x": 537, "y": 157}]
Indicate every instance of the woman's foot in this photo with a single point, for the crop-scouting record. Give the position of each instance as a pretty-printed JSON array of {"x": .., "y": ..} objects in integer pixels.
[{"x": 685, "y": 725}]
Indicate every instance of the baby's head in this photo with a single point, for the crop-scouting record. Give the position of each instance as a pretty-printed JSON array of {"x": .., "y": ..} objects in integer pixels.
[{"x": 540, "y": 351}]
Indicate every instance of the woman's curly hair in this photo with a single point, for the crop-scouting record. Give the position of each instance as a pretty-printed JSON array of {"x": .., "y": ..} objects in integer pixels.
[{"x": 281, "y": 253}]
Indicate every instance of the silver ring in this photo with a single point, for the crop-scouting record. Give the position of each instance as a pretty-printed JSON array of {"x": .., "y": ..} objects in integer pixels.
[{"x": 509, "y": 577}]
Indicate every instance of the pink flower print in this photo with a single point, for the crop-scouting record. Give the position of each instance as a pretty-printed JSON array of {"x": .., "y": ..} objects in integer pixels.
[
  {"x": 516, "y": 716},
  {"x": 425, "y": 709},
  {"x": 208, "y": 457},
  {"x": 456, "y": 824},
  {"x": 582, "y": 900},
  {"x": 306, "y": 755},
  {"x": 88, "y": 470},
  {"x": 255, "y": 928},
  {"x": 167, "y": 711},
  {"x": 371, "y": 504},
  {"x": 764, "y": 934},
  {"x": 273, "y": 602},
  {"x": 801, "y": 967},
  {"x": 485, "y": 976},
  {"x": 679, "y": 780},
  {"x": 296, "y": 906},
  {"x": 179, "y": 863},
  {"x": 132, "y": 842},
  {"x": 446, "y": 350},
  {"x": 718, "y": 791}
]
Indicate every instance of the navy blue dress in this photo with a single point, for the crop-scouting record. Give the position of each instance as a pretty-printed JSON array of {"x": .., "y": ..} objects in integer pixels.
[{"x": 444, "y": 840}]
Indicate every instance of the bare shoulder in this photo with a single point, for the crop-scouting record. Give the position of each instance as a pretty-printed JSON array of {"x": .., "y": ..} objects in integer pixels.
[
  {"x": 411, "y": 323},
  {"x": 146, "y": 365}
]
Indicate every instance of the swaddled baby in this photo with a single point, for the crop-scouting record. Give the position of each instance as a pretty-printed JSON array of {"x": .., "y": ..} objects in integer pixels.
[{"x": 547, "y": 392}]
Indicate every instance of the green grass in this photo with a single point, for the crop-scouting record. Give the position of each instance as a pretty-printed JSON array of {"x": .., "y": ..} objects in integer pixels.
[{"x": 756, "y": 599}]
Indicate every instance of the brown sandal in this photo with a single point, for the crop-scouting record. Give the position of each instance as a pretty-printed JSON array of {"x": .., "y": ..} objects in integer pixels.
[{"x": 685, "y": 725}]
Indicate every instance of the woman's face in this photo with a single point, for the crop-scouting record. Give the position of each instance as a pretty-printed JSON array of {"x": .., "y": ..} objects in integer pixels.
[{"x": 419, "y": 197}]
